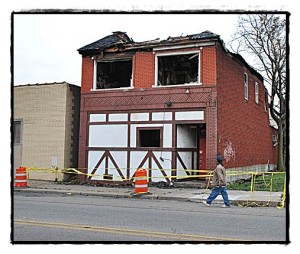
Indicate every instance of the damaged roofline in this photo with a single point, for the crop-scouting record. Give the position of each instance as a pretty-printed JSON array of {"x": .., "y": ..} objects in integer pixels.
[{"x": 182, "y": 46}]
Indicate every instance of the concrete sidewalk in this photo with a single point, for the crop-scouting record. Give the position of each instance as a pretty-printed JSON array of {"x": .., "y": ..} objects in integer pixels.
[{"x": 256, "y": 198}]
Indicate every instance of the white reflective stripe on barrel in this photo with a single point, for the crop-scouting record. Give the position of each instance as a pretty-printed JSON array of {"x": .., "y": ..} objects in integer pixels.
[{"x": 141, "y": 185}]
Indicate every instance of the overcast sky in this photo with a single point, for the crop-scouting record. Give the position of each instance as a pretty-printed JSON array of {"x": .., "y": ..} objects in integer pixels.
[{"x": 45, "y": 45}]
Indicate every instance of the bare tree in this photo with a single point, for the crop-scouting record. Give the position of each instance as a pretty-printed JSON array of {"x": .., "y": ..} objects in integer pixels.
[{"x": 264, "y": 37}]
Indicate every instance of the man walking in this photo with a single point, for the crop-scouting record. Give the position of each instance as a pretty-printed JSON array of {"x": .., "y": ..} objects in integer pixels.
[{"x": 219, "y": 184}]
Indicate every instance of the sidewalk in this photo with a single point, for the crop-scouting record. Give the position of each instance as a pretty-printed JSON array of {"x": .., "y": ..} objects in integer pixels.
[{"x": 260, "y": 198}]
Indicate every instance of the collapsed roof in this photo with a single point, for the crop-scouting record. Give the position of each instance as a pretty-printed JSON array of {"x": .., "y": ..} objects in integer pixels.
[{"x": 120, "y": 41}]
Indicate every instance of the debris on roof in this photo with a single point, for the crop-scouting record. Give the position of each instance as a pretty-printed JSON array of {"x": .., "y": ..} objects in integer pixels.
[
  {"x": 108, "y": 41},
  {"x": 120, "y": 42},
  {"x": 122, "y": 39},
  {"x": 203, "y": 35}
]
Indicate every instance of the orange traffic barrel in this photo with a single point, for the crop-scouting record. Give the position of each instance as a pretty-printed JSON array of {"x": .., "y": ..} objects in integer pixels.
[
  {"x": 141, "y": 181},
  {"x": 21, "y": 177}
]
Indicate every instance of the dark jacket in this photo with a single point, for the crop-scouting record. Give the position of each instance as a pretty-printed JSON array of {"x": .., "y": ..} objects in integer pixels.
[{"x": 219, "y": 176}]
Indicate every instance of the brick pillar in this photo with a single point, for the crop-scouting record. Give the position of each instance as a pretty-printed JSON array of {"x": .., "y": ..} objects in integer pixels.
[
  {"x": 211, "y": 137},
  {"x": 87, "y": 77},
  {"x": 82, "y": 154},
  {"x": 144, "y": 65}
]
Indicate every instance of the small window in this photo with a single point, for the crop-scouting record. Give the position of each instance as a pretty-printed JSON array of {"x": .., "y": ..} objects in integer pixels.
[
  {"x": 246, "y": 86},
  {"x": 266, "y": 102},
  {"x": 17, "y": 132},
  {"x": 149, "y": 137},
  {"x": 256, "y": 92}
]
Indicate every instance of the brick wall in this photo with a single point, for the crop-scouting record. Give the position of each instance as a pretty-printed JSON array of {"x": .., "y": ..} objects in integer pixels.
[
  {"x": 144, "y": 74},
  {"x": 244, "y": 136},
  {"x": 46, "y": 112},
  {"x": 87, "y": 74},
  {"x": 208, "y": 65}
]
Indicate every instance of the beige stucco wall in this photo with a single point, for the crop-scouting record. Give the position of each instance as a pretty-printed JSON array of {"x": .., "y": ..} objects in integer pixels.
[{"x": 46, "y": 113}]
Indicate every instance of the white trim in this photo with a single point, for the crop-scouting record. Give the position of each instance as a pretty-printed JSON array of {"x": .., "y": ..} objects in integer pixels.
[
  {"x": 177, "y": 53},
  {"x": 189, "y": 115},
  {"x": 139, "y": 186},
  {"x": 185, "y": 46},
  {"x": 95, "y": 76},
  {"x": 20, "y": 181},
  {"x": 112, "y": 60}
]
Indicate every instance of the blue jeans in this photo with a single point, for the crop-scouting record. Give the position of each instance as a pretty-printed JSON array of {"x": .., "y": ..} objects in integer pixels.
[{"x": 215, "y": 192}]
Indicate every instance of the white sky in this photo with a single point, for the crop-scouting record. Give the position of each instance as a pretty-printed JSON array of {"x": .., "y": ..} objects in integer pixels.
[
  {"x": 45, "y": 45},
  {"x": 45, "y": 50}
]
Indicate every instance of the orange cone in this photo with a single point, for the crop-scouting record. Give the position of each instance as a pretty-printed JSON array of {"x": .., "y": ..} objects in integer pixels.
[
  {"x": 21, "y": 177},
  {"x": 141, "y": 181}
]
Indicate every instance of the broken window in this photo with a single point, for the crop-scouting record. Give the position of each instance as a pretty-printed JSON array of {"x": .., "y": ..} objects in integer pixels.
[
  {"x": 114, "y": 74},
  {"x": 149, "y": 137},
  {"x": 178, "y": 69}
]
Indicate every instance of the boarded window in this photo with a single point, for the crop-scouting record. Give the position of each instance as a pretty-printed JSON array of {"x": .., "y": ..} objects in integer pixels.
[
  {"x": 178, "y": 69},
  {"x": 114, "y": 74},
  {"x": 17, "y": 132},
  {"x": 149, "y": 137}
]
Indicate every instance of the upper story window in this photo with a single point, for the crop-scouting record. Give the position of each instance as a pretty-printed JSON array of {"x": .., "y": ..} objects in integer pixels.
[
  {"x": 256, "y": 92},
  {"x": 177, "y": 69},
  {"x": 246, "y": 86},
  {"x": 113, "y": 74},
  {"x": 266, "y": 102}
]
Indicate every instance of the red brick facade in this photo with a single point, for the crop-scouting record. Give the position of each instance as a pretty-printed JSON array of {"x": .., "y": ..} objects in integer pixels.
[
  {"x": 236, "y": 128},
  {"x": 209, "y": 66},
  {"x": 143, "y": 70},
  {"x": 244, "y": 134},
  {"x": 87, "y": 74}
]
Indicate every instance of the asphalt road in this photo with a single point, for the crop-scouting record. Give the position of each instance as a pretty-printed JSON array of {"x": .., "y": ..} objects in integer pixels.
[{"x": 63, "y": 218}]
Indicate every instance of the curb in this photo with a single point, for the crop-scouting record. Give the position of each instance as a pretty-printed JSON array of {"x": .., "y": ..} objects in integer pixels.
[{"x": 148, "y": 196}]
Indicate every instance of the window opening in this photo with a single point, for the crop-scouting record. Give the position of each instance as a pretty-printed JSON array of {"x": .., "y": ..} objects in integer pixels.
[
  {"x": 17, "y": 132},
  {"x": 114, "y": 74},
  {"x": 266, "y": 102},
  {"x": 149, "y": 138},
  {"x": 246, "y": 86},
  {"x": 178, "y": 69},
  {"x": 256, "y": 93}
]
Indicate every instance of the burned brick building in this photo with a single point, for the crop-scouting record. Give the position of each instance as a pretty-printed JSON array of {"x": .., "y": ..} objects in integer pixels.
[{"x": 171, "y": 106}]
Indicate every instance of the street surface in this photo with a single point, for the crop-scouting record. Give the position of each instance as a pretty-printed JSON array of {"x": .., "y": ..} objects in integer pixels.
[{"x": 67, "y": 218}]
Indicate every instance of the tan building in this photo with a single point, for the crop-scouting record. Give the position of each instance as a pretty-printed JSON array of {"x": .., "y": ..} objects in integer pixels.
[{"x": 45, "y": 125}]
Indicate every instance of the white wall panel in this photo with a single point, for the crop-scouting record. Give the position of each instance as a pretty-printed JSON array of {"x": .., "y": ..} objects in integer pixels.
[
  {"x": 139, "y": 116},
  {"x": 108, "y": 135},
  {"x": 97, "y": 117},
  {"x": 162, "y": 116},
  {"x": 167, "y": 139},
  {"x": 157, "y": 175},
  {"x": 189, "y": 115},
  {"x": 117, "y": 117},
  {"x": 120, "y": 158},
  {"x": 135, "y": 160},
  {"x": 93, "y": 158}
]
